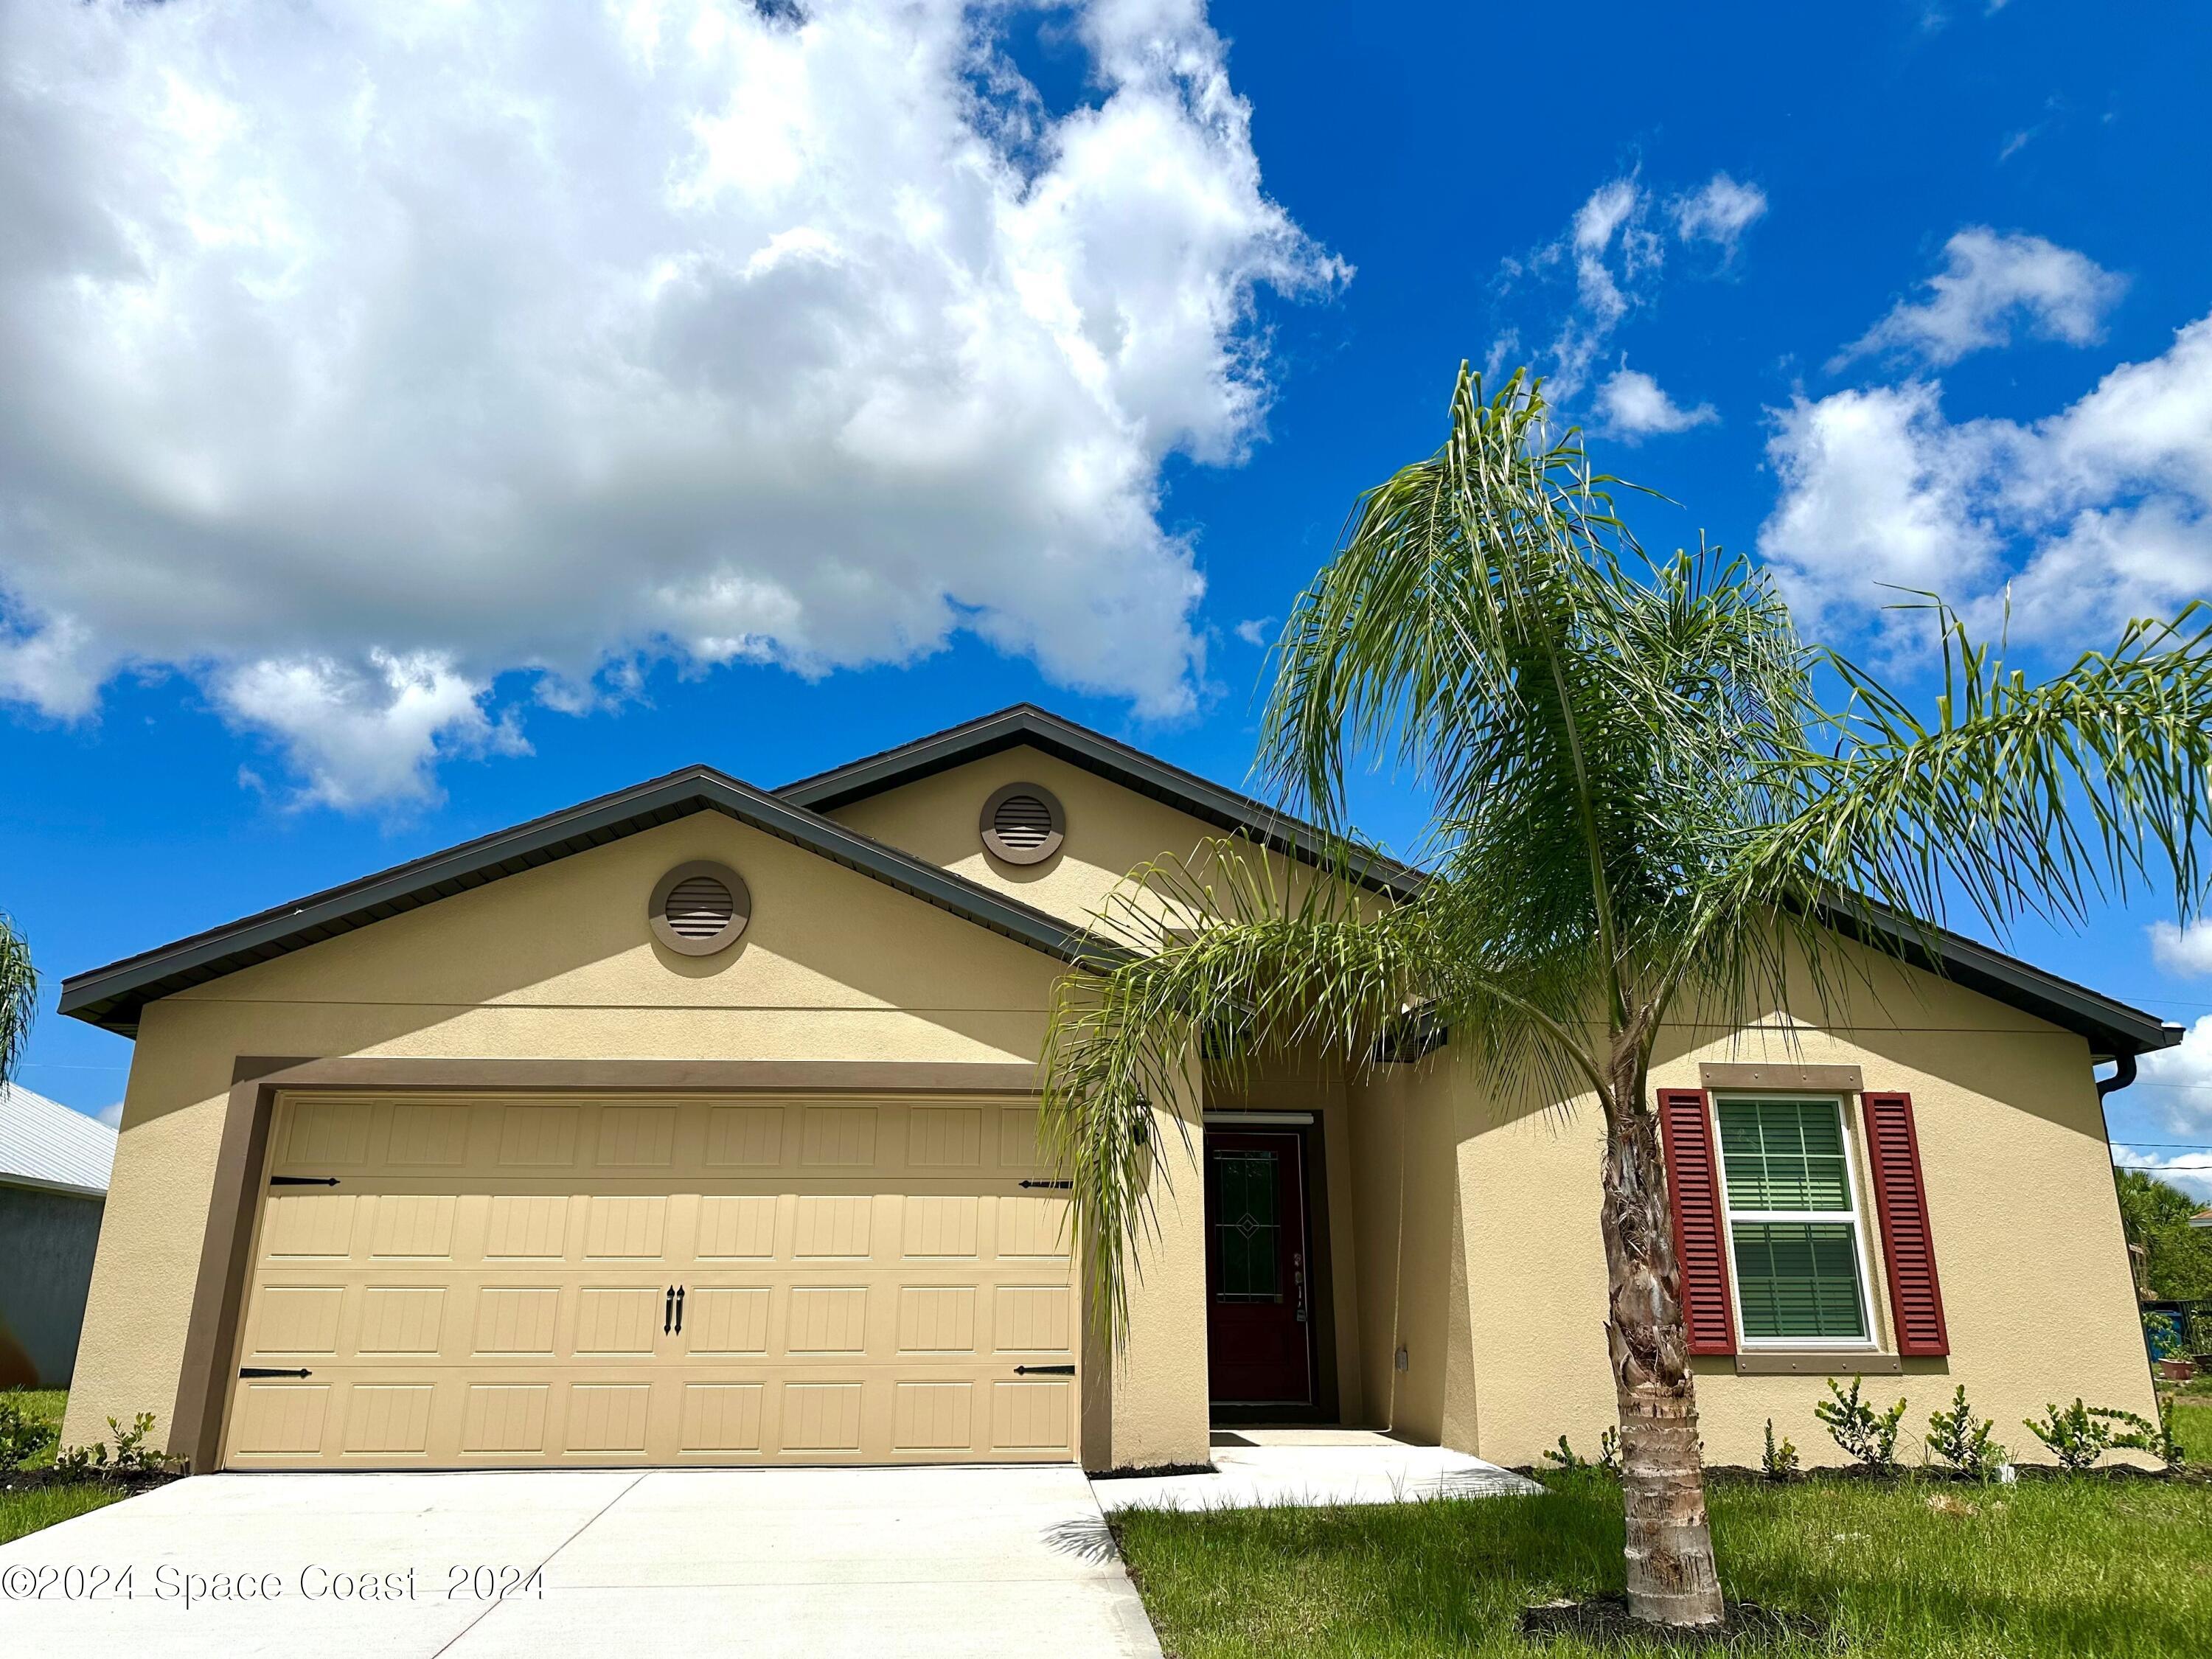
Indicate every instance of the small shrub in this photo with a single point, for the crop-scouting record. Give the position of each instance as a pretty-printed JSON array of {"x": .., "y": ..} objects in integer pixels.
[
  {"x": 1608, "y": 1455},
  {"x": 2078, "y": 1436},
  {"x": 1777, "y": 1462},
  {"x": 1866, "y": 1435},
  {"x": 130, "y": 1454},
  {"x": 1955, "y": 1438},
  {"x": 2156, "y": 1438},
  {"x": 22, "y": 1436},
  {"x": 2164, "y": 1331}
]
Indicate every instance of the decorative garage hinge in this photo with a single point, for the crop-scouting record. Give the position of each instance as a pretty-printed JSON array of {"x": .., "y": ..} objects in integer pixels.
[
  {"x": 245, "y": 1371},
  {"x": 1061, "y": 1184},
  {"x": 303, "y": 1181},
  {"x": 1044, "y": 1371}
]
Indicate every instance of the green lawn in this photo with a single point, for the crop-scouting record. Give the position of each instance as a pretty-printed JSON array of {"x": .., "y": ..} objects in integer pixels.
[
  {"x": 2042, "y": 1568},
  {"x": 23, "y": 1512},
  {"x": 2192, "y": 1426}
]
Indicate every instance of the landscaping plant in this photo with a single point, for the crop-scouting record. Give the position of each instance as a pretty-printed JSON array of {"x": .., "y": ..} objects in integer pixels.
[
  {"x": 1866, "y": 1437},
  {"x": 2078, "y": 1435},
  {"x": 23, "y": 1433},
  {"x": 2157, "y": 1438},
  {"x": 1608, "y": 1455},
  {"x": 130, "y": 1454},
  {"x": 1968, "y": 1446},
  {"x": 1648, "y": 795},
  {"x": 1777, "y": 1462}
]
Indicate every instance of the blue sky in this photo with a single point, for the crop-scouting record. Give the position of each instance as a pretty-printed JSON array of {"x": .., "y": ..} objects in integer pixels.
[{"x": 1900, "y": 293}]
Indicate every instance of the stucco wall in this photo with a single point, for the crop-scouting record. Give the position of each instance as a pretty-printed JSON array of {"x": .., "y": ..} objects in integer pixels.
[
  {"x": 2027, "y": 1232},
  {"x": 46, "y": 1242},
  {"x": 1110, "y": 832},
  {"x": 557, "y": 963}
]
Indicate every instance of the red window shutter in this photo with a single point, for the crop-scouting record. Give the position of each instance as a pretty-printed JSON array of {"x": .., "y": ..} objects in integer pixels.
[
  {"x": 1686, "y": 1127},
  {"x": 1908, "y": 1250}
]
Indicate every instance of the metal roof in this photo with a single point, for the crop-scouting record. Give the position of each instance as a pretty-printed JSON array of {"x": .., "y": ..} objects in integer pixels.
[
  {"x": 44, "y": 1144},
  {"x": 111, "y": 996}
]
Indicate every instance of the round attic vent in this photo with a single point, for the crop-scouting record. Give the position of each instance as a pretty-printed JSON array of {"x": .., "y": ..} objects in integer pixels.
[
  {"x": 700, "y": 907},
  {"x": 1022, "y": 824}
]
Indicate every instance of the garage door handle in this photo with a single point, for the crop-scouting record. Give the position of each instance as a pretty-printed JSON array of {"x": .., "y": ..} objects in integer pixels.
[
  {"x": 1044, "y": 1371},
  {"x": 303, "y": 1181},
  {"x": 679, "y": 1310},
  {"x": 668, "y": 1311},
  {"x": 265, "y": 1370},
  {"x": 1062, "y": 1184}
]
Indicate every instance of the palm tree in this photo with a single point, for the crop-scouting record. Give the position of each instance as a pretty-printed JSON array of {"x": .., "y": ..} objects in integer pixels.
[
  {"x": 1640, "y": 800},
  {"x": 19, "y": 994}
]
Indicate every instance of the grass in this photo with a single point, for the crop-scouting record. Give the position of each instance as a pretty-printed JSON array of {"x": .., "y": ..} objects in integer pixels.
[
  {"x": 2192, "y": 1427},
  {"x": 2056, "y": 1567},
  {"x": 24, "y": 1512}
]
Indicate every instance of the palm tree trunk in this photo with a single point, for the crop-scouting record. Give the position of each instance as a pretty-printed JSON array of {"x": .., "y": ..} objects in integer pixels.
[{"x": 1672, "y": 1579}]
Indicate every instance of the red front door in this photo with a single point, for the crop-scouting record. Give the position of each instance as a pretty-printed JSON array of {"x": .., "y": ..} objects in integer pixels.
[{"x": 1258, "y": 1327}]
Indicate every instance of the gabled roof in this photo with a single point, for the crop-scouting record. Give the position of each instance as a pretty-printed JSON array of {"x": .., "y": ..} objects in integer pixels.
[
  {"x": 2112, "y": 1028},
  {"x": 111, "y": 996},
  {"x": 1026, "y": 725},
  {"x": 45, "y": 1144}
]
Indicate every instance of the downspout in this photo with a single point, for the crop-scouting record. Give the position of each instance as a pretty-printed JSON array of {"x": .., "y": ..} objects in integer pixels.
[{"x": 2123, "y": 1073}]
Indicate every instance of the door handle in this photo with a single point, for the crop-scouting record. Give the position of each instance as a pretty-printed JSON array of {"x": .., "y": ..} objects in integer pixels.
[
  {"x": 1298, "y": 1275},
  {"x": 679, "y": 1310},
  {"x": 668, "y": 1311}
]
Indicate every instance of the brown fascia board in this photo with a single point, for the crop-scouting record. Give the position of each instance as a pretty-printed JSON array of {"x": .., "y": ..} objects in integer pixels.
[
  {"x": 1025, "y": 725},
  {"x": 111, "y": 996}
]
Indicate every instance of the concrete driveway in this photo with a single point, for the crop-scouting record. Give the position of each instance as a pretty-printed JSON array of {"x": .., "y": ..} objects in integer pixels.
[{"x": 758, "y": 1562}]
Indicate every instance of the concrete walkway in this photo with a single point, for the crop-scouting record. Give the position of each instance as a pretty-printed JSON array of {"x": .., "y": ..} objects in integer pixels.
[
  {"x": 1309, "y": 1468},
  {"x": 763, "y": 1563}
]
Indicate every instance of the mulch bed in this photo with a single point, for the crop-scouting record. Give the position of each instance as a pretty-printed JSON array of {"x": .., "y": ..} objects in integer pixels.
[
  {"x": 133, "y": 1481},
  {"x": 1737, "y": 1475},
  {"x": 1603, "y": 1621}
]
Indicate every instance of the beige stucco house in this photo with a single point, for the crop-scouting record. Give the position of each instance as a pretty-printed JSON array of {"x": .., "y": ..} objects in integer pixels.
[{"x": 697, "y": 1124}]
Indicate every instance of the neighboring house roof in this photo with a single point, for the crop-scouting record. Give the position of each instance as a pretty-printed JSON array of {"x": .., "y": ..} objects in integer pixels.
[
  {"x": 1025, "y": 725},
  {"x": 2201, "y": 1218},
  {"x": 46, "y": 1144},
  {"x": 111, "y": 996}
]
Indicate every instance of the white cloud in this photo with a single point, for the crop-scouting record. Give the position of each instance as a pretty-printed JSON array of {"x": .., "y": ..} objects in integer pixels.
[
  {"x": 2184, "y": 950},
  {"x": 370, "y": 736},
  {"x": 2177, "y": 1085},
  {"x": 1634, "y": 405},
  {"x": 1614, "y": 248},
  {"x": 111, "y": 1115},
  {"x": 2083, "y": 521},
  {"x": 1992, "y": 284},
  {"x": 1256, "y": 630},
  {"x": 1720, "y": 212},
  {"x": 354, "y": 354}
]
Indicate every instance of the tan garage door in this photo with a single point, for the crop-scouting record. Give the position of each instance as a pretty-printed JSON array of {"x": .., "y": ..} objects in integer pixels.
[{"x": 494, "y": 1282}]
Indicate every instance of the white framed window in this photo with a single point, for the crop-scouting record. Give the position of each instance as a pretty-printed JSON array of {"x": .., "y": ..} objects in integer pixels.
[{"x": 1796, "y": 1235}]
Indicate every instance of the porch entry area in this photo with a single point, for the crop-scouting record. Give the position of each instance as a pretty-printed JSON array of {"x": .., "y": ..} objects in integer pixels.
[{"x": 1266, "y": 1269}]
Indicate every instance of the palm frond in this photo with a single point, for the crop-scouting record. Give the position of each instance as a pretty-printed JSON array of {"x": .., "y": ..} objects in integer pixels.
[{"x": 19, "y": 996}]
